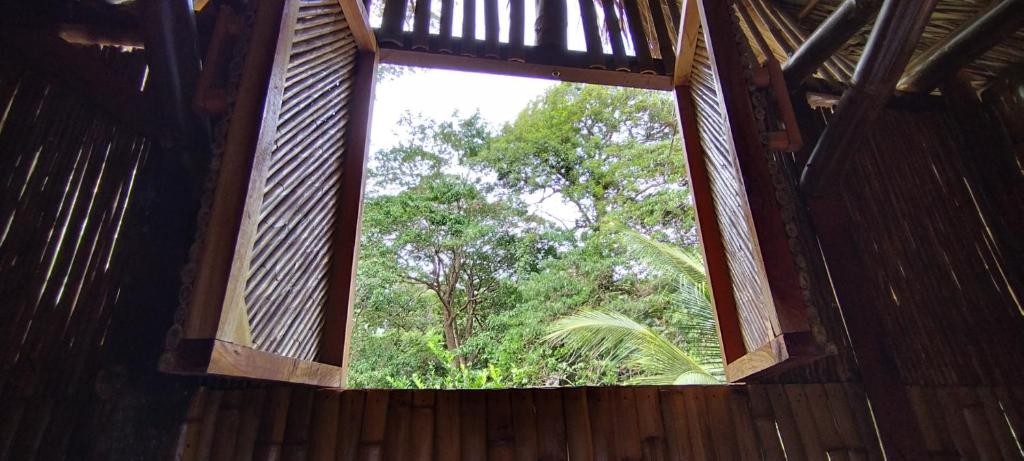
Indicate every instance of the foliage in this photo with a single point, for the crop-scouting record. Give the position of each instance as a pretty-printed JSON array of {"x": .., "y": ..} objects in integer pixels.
[
  {"x": 462, "y": 271},
  {"x": 639, "y": 348}
]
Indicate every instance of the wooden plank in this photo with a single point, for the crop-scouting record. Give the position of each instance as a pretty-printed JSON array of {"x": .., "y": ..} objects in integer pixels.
[
  {"x": 805, "y": 422},
  {"x": 396, "y": 437},
  {"x": 743, "y": 425},
  {"x": 715, "y": 262},
  {"x": 473, "y": 425},
  {"x": 447, "y": 427},
  {"x": 249, "y": 423},
  {"x": 207, "y": 433},
  {"x": 686, "y": 43},
  {"x": 673, "y": 415},
  {"x": 422, "y": 443},
  {"x": 272, "y": 424},
  {"x": 226, "y": 432},
  {"x": 864, "y": 419},
  {"x": 359, "y": 24},
  {"x": 374, "y": 425},
  {"x": 524, "y": 418},
  {"x": 215, "y": 357},
  {"x": 351, "y": 424},
  {"x": 500, "y": 435},
  {"x": 789, "y": 430},
  {"x": 764, "y": 423},
  {"x": 651, "y": 428},
  {"x": 324, "y": 438},
  {"x": 720, "y": 422},
  {"x": 846, "y": 424},
  {"x": 295, "y": 445},
  {"x": 601, "y": 404},
  {"x": 577, "y": 423},
  {"x": 824, "y": 422},
  {"x": 528, "y": 69},
  {"x": 550, "y": 424},
  {"x": 699, "y": 430},
  {"x": 338, "y": 316},
  {"x": 627, "y": 430}
]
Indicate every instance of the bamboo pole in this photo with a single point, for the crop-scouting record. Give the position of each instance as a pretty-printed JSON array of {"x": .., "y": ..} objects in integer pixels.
[
  {"x": 828, "y": 38},
  {"x": 892, "y": 41},
  {"x": 965, "y": 44}
]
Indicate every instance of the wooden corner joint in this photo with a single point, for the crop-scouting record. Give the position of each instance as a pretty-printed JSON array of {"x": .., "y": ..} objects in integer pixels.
[
  {"x": 784, "y": 352},
  {"x": 221, "y": 358}
]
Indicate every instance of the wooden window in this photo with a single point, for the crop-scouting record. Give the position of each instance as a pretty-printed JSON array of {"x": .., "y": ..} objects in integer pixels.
[
  {"x": 746, "y": 212},
  {"x": 273, "y": 273}
]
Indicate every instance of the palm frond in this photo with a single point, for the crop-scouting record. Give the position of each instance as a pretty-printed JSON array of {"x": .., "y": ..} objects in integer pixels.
[
  {"x": 686, "y": 263},
  {"x": 620, "y": 339}
]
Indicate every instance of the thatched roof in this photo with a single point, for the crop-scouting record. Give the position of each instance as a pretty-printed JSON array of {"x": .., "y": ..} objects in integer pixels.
[{"x": 948, "y": 15}]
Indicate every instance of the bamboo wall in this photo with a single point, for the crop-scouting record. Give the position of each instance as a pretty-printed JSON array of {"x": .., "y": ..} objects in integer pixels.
[
  {"x": 68, "y": 174},
  {"x": 797, "y": 422},
  {"x": 287, "y": 285},
  {"x": 950, "y": 304}
]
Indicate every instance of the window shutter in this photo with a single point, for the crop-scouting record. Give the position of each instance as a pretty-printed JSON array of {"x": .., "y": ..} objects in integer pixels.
[
  {"x": 746, "y": 208},
  {"x": 269, "y": 298}
]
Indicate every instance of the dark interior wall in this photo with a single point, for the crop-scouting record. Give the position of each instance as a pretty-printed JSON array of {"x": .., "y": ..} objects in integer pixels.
[
  {"x": 97, "y": 220},
  {"x": 934, "y": 258}
]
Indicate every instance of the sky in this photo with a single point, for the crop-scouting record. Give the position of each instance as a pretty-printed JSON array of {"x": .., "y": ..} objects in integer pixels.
[{"x": 436, "y": 93}]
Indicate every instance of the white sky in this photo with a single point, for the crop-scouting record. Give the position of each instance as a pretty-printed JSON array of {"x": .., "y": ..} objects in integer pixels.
[{"x": 436, "y": 93}]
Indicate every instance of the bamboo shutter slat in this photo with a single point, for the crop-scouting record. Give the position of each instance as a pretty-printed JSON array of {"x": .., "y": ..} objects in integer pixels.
[
  {"x": 421, "y": 26},
  {"x": 444, "y": 41},
  {"x": 468, "y": 42},
  {"x": 641, "y": 47},
  {"x": 491, "y": 29},
  {"x": 614, "y": 30},
  {"x": 592, "y": 34},
  {"x": 516, "y": 31}
]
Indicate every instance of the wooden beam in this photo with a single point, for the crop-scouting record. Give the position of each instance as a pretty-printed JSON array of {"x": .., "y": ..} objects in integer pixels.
[
  {"x": 574, "y": 68},
  {"x": 965, "y": 44},
  {"x": 221, "y": 358},
  {"x": 87, "y": 34},
  {"x": 334, "y": 342},
  {"x": 359, "y": 24},
  {"x": 686, "y": 43},
  {"x": 115, "y": 96},
  {"x": 217, "y": 308},
  {"x": 829, "y": 37},
  {"x": 172, "y": 48},
  {"x": 716, "y": 264},
  {"x": 892, "y": 41}
]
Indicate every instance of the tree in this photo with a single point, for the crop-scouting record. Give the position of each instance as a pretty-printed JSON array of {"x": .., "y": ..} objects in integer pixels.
[
  {"x": 612, "y": 152},
  {"x": 638, "y": 347}
]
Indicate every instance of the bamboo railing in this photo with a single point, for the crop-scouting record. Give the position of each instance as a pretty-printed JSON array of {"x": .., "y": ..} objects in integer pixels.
[{"x": 647, "y": 25}]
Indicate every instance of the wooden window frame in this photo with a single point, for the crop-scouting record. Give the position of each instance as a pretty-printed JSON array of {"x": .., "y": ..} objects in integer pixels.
[
  {"x": 795, "y": 344},
  {"x": 214, "y": 338}
]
